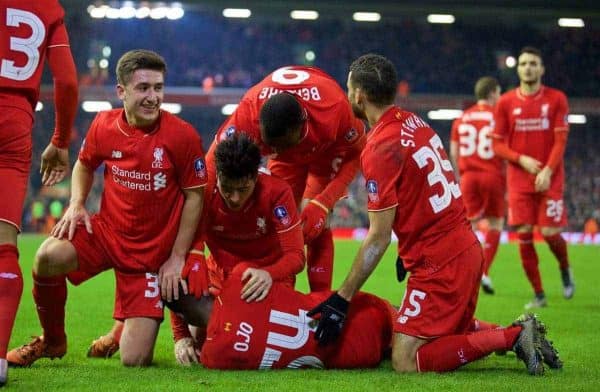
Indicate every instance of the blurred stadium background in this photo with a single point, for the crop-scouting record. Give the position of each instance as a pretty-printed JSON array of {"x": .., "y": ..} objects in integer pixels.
[{"x": 217, "y": 49}]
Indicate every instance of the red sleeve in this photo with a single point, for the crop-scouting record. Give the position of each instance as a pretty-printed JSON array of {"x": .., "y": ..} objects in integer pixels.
[
  {"x": 64, "y": 72},
  {"x": 502, "y": 150},
  {"x": 179, "y": 327},
  {"x": 349, "y": 144},
  {"x": 88, "y": 154},
  {"x": 192, "y": 172},
  {"x": 561, "y": 116},
  {"x": 292, "y": 260},
  {"x": 381, "y": 167},
  {"x": 501, "y": 120},
  {"x": 558, "y": 150}
]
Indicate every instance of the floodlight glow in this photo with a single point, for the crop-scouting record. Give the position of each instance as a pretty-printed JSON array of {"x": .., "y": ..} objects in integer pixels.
[
  {"x": 310, "y": 55},
  {"x": 444, "y": 114},
  {"x": 174, "y": 108},
  {"x": 510, "y": 61},
  {"x": 126, "y": 12},
  {"x": 175, "y": 13},
  {"x": 304, "y": 14},
  {"x": 95, "y": 106},
  {"x": 577, "y": 119},
  {"x": 98, "y": 12},
  {"x": 440, "y": 18},
  {"x": 229, "y": 109},
  {"x": 103, "y": 63},
  {"x": 113, "y": 13},
  {"x": 106, "y": 51},
  {"x": 366, "y": 16},
  {"x": 571, "y": 22},
  {"x": 39, "y": 106},
  {"x": 159, "y": 12},
  {"x": 142, "y": 12},
  {"x": 236, "y": 13}
]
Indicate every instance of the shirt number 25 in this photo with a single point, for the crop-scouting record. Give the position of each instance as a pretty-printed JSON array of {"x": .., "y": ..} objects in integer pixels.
[{"x": 436, "y": 176}]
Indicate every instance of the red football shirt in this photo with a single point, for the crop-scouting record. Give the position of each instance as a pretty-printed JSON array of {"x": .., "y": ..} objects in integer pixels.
[
  {"x": 527, "y": 124},
  {"x": 144, "y": 174},
  {"x": 253, "y": 233},
  {"x": 275, "y": 333},
  {"x": 472, "y": 133},
  {"x": 29, "y": 28},
  {"x": 405, "y": 166}
]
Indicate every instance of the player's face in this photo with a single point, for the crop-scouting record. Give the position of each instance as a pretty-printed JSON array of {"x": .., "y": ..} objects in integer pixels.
[
  {"x": 142, "y": 97},
  {"x": 236, "y": 192},
  {"x": 352, "y": 97},
  {"x": 530, "y": 68}
]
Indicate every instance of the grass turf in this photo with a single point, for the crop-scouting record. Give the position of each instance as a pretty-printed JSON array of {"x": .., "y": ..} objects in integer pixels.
[{"x": 571, "y": 325}]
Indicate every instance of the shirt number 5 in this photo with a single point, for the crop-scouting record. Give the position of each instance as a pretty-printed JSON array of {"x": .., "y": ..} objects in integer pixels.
[
  {"x": 29, "y": 46},
  {"x": 436, "y": 176}
]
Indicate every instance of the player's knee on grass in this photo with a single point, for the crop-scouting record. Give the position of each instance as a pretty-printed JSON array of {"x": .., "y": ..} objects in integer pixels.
[
  {"x": 55, "y": 257},
  {"x": 550, "y": 231},
  {"x": 138, "y": 340},
  {"x": 404, "y": 353},
  {"x": 194, "y": 311}
]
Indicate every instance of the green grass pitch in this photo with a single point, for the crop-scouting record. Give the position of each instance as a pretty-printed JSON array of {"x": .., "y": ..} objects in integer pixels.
[{"x": 571, "y": 325}]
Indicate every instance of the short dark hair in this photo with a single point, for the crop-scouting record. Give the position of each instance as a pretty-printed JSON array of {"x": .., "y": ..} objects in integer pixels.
[
  {"x": 237, "y": 157},
  {"x": 531, "y": 50},
  {"x": 484, "y": 86},
  {"x": 376, "y": 76},
  {"x": 279, "y": 115},
  {"x": 138, "y": 59}
]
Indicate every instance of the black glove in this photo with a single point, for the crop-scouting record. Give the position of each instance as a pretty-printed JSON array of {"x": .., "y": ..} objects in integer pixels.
[
  {"x": 400, "y": 271},
  {"x": 333, "y": 314}
]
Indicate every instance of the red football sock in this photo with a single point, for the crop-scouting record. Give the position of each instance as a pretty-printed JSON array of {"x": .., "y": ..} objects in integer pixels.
[
  {"x": 179, "y": 327},
  {"x": 319, "y": 260},
  {"x": 530, "y": 261},
  {"x": 558, "y": 246},
  {"x": 480, "y": 325},
  {"x": 450, "y": 352},
  {"x": 490, "y": 247},
  {"x": 50, "y": 295},
  {"x": 11, "y": 288}
]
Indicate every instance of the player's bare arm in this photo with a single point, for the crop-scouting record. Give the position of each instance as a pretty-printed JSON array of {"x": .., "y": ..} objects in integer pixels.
[
  {"x": 169, "y": 274},
  {"x": 81, "y": 183}
]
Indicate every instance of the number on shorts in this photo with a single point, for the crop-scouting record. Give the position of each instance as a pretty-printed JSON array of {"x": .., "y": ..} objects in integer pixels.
[
  {"x": 152, "y": 282},
  {"x": 469, "y": 145},
  {"x": 29, "y": 46},
  {"x": 414, "y": 298},
  {"x": 554, "y": 209},
  {"x": 436, "y": 176}
]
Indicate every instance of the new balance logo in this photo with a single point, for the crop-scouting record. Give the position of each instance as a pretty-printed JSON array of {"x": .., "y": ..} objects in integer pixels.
[
  {"x": 116, "y": 154},
  {"x": 160, "y": 181}
]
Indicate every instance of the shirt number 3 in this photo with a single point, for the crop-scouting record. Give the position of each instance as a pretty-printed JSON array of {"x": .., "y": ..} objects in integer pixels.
[{"x": 436, "y": 176}]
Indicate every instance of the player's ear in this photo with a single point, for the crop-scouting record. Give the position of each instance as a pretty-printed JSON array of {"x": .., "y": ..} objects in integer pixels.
[{"x": 120, "y": 92}]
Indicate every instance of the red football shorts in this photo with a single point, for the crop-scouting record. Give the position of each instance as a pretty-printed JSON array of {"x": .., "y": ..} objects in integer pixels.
[
  {"x": 137, "y": 293},
  {"x": 483, "y": 195},
  {"x": 442, "y": 303},
  {"x": 307, "y": 181},
  {"x": 15, "y": 162},
  {"x": 543, "y": 209}
]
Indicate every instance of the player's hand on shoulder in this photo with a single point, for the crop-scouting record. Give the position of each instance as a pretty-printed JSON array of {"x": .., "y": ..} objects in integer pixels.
[
  {"x": 333, "y": 315},
  {"x": 185, "y": 352},
  {"x": 65, "y": 227},
  {"x": 257, "y": 286},
  {"x": 169, "y": 277},
  {"x": 54, "y": 164}
]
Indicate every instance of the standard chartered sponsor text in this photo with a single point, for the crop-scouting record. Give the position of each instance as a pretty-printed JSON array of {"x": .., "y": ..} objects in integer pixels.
[{"x": 127, "y": 178}]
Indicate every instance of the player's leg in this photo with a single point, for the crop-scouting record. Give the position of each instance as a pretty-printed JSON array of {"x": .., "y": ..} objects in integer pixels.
[
  {"x": 138, "y": 340},
  {"x": 552, "y": 219},
  {"x": 15, "y": 162},
  {"x": 490, "y": 248},
  {"x": 522, "y": 213}
]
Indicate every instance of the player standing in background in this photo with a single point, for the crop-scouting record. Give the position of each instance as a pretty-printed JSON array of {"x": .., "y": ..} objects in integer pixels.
[
  {"x": 531, "y": 133},
  {"x": 301, "y": 120},
  {"x": 31, "y": 33},
  {"x": 482, "y": 180},
  {"x": 412, "y": 192},
  {"x": 151, "y": 204}
]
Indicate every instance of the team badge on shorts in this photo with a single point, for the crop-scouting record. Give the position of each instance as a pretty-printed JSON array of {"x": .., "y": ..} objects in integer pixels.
[
  {"x": 200, "y": 168},
  {"x": 282, "y": 215},
  {"x": 372, "y": 191}
]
